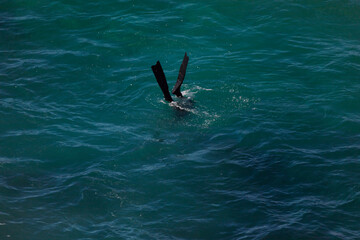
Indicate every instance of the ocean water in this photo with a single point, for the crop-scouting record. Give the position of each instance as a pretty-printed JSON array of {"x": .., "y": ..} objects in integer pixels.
[{"x": 267, "y": 147}]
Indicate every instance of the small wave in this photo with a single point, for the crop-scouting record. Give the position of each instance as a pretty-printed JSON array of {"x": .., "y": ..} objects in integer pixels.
[
  {"x": 192, "y": 91},
  {"x": 201, "y": 88}
]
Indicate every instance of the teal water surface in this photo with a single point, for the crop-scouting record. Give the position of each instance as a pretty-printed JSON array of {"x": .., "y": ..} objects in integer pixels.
[{"x": 268, "y": 149}]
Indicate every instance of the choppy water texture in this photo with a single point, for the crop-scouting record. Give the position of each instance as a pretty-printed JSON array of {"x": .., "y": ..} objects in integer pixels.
[{"x": 269, "y": 149}]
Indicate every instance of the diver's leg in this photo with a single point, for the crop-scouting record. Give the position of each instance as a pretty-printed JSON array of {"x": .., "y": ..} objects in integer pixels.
[
  {"x": 160, "y": 78},
  {"x": 180, "y": 79}
]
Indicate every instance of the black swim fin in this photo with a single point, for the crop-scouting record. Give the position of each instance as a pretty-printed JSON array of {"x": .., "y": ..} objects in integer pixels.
[
  {"x": 160, "y": 78},
  {"x": 180, "y": 79}
]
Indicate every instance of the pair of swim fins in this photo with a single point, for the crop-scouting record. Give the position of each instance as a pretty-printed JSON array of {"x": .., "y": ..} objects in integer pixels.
[{"x": 160, "y": 78}]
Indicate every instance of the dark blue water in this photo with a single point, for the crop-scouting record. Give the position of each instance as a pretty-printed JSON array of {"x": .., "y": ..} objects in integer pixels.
[{"x": 266, "y": 144}]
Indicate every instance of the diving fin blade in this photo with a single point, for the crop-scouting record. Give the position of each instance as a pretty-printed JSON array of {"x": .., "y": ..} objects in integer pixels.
[
  {"x": 181, "y": 77},
  {"x": 160, "y": 78}
]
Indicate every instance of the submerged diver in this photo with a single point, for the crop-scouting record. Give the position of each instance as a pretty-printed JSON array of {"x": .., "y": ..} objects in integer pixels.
[{"x": 160, "y": 78}]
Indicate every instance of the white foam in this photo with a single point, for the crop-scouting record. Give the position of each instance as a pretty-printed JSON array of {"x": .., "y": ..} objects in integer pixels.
[{"x": 177, "y": 105}]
